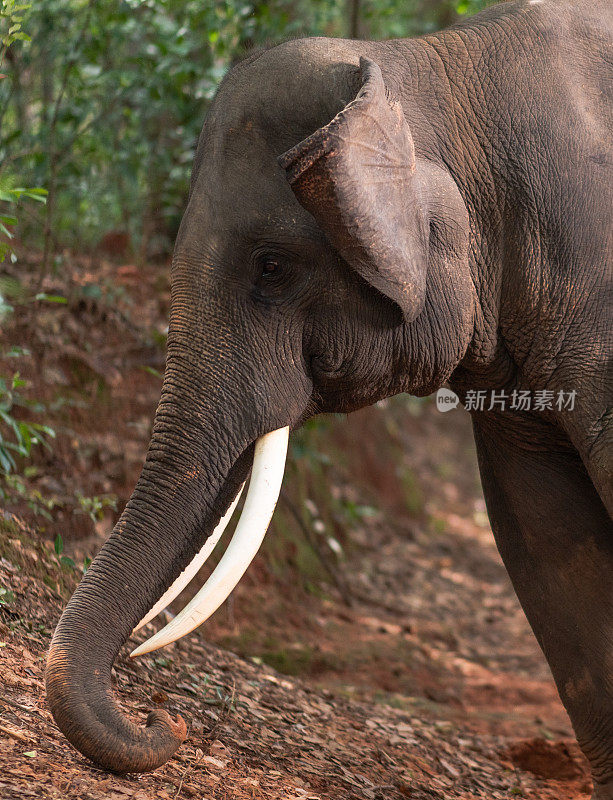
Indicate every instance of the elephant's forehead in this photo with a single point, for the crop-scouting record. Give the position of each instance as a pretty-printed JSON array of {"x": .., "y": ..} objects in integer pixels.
[
  {"x": 235, "y": 160},
  {"x": 270, "y": 102},
  {"x": 236, "y": 203},
  {"x": 244, "y": 189},
  {"x": 239, "y": 189},
  {"x": 292, "y": 84}
]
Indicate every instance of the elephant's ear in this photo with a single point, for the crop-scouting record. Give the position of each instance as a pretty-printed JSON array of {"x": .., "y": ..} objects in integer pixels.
[{"x": 356, "y": 177}]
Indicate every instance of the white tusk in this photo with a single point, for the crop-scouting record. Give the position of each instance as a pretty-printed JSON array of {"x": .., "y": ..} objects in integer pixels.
[
  {"x": 264, "y": 488},
  {"x": 192, "y": 568}
]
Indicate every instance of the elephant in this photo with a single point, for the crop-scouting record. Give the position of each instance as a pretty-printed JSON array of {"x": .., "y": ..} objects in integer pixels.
[{"x": 366, "y": 219}]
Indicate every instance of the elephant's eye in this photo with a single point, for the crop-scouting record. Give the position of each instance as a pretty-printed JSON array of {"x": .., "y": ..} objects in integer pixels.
[
  {"x": 275, "y": 279},
  {"x": 269, "y": 266}
]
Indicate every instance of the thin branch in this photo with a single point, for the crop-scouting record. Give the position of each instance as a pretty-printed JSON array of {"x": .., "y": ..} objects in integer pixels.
[
  {"x": 72, "y": 62},
  {"x": 354, "y": 18},
  {"x": 65, "y": 153},
  {"x": 53, "y": 154},
  {"x": 336, "y": 578},
  {"x": 23, "y": 154}
]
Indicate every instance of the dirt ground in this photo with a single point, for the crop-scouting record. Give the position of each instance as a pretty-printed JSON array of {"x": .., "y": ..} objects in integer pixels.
[{"x": 407, "y": 671}]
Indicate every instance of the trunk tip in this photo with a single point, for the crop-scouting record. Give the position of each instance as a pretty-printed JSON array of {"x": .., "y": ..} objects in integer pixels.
[
  {"x": 85, "y": 711},
  {"x": 162, "y": 719}
]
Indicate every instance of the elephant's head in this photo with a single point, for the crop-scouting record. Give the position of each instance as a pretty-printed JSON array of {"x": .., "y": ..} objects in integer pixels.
[{"x": 313, "y": 244}]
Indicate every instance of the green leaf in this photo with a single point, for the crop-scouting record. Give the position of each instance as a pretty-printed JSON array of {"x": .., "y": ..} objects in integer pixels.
[
  {"x": 17, "y": 352},
  {"x": 43, "y": 429},
  {"x": 6, "y": 596},
  {"x": 58, "y": 544},
  {"x": 7, "y": 462},
  {"x": 50, "y": 298},
  {"x": 40, "y": 195},
  {"x": 152, "y": 371},
  {"x": 34, "y": 193}
]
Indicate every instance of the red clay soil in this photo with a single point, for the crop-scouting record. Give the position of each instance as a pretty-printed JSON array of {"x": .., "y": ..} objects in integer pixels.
[{"x": 407, "y": 671}]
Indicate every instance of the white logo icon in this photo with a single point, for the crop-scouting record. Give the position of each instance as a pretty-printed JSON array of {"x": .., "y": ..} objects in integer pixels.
[{"x": 446, "y": 400}]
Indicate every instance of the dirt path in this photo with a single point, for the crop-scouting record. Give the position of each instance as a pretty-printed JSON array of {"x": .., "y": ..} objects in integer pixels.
[
  {"x": 429, "y": 686},
  {"x": 413, "y": 673},
  {"x": 253, "y": 733}
]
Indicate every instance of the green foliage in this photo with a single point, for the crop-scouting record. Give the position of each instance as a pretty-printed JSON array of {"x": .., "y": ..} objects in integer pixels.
[
  {"x": 10, "y": 195},
  {"x": 116, "y": 94},
  {"x": 6, "y": 596},
  {"x": 12, "y": 13},
  {"x": 17, "y": 437},
  {"x": 64, "y": 561},
  {"x": 15, "y": 488},
  {"x": 58, "y": 546},
  {"x": 468, "y": 7},
  {"x": 95, "y": 506}
]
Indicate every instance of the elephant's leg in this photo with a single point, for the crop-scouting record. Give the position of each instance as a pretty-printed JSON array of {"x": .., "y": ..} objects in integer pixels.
[
  {"x": 556, "y": 539},
  {"x": 597, "y": 454}
]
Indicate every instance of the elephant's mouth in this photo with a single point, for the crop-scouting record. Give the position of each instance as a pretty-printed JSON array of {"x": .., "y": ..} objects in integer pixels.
[{"x": 264, "y": 487}]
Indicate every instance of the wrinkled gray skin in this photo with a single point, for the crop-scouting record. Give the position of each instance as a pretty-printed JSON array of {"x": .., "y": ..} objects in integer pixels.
[{"x": 354, "y": 268}]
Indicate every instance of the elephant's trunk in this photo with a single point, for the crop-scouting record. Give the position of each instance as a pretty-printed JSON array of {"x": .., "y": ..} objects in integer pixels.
[
  {"x": 221, "y": 396},
  {"x": 184, "y": 488}
]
